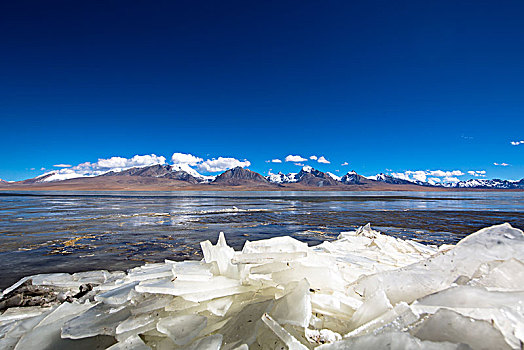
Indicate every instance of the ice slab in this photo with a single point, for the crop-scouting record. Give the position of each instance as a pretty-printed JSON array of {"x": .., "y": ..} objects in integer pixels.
[{"x": 182, "y": 329}]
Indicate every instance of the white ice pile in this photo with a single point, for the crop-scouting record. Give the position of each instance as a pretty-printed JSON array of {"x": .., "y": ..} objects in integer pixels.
[{"x": 364, "y": 290}]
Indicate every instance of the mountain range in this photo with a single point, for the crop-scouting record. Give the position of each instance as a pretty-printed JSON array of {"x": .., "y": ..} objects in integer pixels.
[{"x": 173, "y": 177}]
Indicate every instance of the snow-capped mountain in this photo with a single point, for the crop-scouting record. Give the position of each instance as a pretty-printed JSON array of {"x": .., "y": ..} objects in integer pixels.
[
  {"x": 394, "y": 180},
  {"x": 471, "y": 183},
  {"x": 352, "y": 178},
  {"x": 175, "y": 172},
  {"x": 333, "y": 176},
  {"x": 486, "y": 183},
  {"x": 280, "y": 177},
  {"x": 307, "y": 176}
]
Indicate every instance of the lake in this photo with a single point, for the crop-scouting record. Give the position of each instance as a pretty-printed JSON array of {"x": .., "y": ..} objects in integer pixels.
[{"x": 43, "y": 232}]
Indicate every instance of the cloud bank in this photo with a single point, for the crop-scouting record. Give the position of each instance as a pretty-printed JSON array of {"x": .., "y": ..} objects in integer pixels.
[
  {"x": 102, "y": 166},
  {"x": 295, "y": 159},
  {"x": 516, "y": 143},
  {"x": 180, "y": 161},
  {"x": 185, "y": 158},
  {"x": 221, "y": 164},
  {"x": 435, "y": 176}
]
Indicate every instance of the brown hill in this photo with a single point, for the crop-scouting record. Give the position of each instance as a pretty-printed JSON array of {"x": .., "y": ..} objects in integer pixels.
[{"x": 241, "y": 177}]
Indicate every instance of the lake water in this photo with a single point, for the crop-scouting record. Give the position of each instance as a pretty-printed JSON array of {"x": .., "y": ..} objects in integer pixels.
[{"x": 42, "y": 232}]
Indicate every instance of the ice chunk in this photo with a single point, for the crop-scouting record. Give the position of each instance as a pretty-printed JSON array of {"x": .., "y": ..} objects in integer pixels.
[
  {"x": 220, "y": 306},
  {"x": 284, "y": 244},
  {"x": 373, "y": 307},
  {"x": 392, "y": 341},
  {"x": 291, "y": 342},
  {"x": 93, "y": 277},
  {"x": 193, "y": 271},
  {"x": 318, "y": 277},
  {"x": 149, "y": 272},
  {"x": 101, "y": 319},
  {"x": 222, "y": 254},
  {"x": 212, "y": 342},
  {"x": 242, "y": 328},
  {"x": 21, "y": 327},
  {"x": 506, "y": 275},
  {"x": 182, "y": 329},
  {"x": 55, "y": 279},
  {"x": 295, "y": 307},
  {"x": 133, "y": 342},
  {"x": 438, "y": 272},
  {"x": 449, "y": 326},
  {"x": 117, "y": 295},
  {"x": 20, "y": 313},
  {"x": 264, "y": 258},
  {"x": 334, "y": 304},
  {"x": 472, "y": 297},
  {"x": 138, "y": 324},
  {"x": 398, "y": 318}
]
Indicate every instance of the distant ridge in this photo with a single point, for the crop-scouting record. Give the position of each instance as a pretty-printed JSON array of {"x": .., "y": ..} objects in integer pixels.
[{"x": 173, "y": 177}]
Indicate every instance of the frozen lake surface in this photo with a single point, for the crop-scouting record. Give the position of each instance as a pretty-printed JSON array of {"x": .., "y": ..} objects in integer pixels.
[{"x": 43, "y": 232}]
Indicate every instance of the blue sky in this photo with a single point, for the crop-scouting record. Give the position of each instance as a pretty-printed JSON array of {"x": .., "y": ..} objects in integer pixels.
[{"x": 385, "y": 86}]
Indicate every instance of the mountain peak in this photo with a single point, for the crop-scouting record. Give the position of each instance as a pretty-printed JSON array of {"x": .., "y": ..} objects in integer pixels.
[
  {"x": 352, "y": 178},
  {"x": 240, "y": 176}
]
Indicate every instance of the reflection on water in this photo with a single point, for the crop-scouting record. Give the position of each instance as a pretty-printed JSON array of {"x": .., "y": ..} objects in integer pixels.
[{"x": 74, "y": 231}]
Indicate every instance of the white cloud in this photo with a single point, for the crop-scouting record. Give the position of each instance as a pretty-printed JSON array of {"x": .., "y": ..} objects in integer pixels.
[
  {"x": 516, "y": 143},
  {"x": 103, "y": 166},
  {"x": 501, "y": 164},
  {"x": 477, "y": 173},
  {"x": 276, "y": 161},
  {"x": 323, "y": 160},
  {"x": 136, "y": 161},
  {"x": 344, "y": 164},
  {"x": 221, "y": 164},
  {"x": 433, "y": 176},
  {"x": 185, "y": 158},
  {"x": 419, "y": 175},
  {"x": 296, "y": 159},
  {"x": 62, "y": 165},
  {"x": 313, "y": 157},
  {"x": 42, "y": 169},
  {"x": 441, "y": 173},
  {"x": 451, "y": 179},
  {"x": 402, "y": 176}
]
